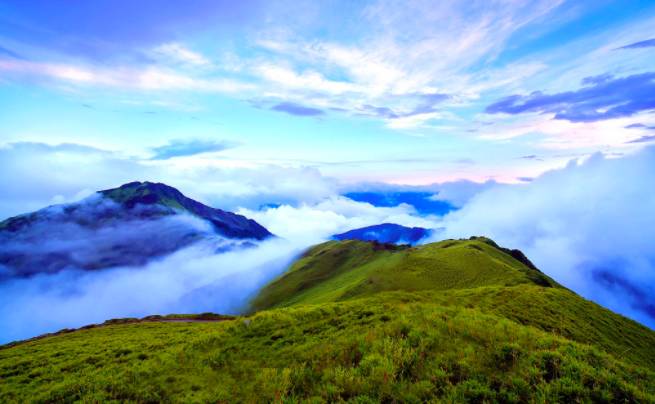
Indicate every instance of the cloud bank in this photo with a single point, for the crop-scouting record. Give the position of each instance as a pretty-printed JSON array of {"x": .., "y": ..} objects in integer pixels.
[
  {"x": 57, "y": 177},
  {"x": 590, "y": 226},
  {"x": 313, "y": 223},
  {"x": 193, "y": 280}
]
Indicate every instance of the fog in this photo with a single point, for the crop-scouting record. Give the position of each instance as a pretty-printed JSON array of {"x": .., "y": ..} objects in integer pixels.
[
  {"x": 192, "y": 280},
  {"x": 590, "y": 226},
  {"x": 169, "y": 264},
  {"x": 98, "y": 233}
]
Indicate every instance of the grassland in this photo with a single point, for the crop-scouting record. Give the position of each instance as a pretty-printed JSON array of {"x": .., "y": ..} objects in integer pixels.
[
  {"x": 336, "y": 270},
  {"x": 465, "y": 321}
]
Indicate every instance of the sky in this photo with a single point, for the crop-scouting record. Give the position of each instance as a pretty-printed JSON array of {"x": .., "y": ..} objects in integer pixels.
[
  {"x": 533, "y": 121},
  {"x": 380, "y": 91}
]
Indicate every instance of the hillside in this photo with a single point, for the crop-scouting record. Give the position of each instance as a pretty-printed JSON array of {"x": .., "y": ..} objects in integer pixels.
[
  {"x": 455, "y": 321},
  {"x": 474, "y": 273},
  {"x": 125, "y": 226},
  {"x": 338, "y": 270},
  {"x": 385, "y": 233}
]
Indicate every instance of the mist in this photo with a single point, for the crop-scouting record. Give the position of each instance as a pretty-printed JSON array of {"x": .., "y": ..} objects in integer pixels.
[
  {"x": 98, "y": 233},
  {"x": 192, "y": 280},
  {"x": 590, "y": 226}
]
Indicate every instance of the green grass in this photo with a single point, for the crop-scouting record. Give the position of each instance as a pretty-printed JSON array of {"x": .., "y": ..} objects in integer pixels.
[
  {"x": 455, "y": 321},
  {"x": 336, "y": 270},
  {"x": 470, "y": 273},
  {"x": 397, "y": 346}
]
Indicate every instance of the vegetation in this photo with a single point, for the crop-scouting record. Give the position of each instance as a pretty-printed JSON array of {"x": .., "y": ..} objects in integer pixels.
[
  {"x": 456, "y": 321},
  {"x": 335, "y": 271},
  {"x": 474, "y": 273}
]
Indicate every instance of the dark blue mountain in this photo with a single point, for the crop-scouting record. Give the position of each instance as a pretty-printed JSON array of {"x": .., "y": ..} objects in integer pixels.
[
  {"x": 386, "y": 233},
  {"x": 421, "y": 201},
  {"x": 173, "y": 201},
  {"x": 125, "y": 226}
]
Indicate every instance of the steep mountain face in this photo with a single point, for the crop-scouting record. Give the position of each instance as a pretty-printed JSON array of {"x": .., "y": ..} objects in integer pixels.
[
  {"x": 385, "y": 233},
  {"x": 125, "y": 226},
  {"x": 453, "y": 321}
]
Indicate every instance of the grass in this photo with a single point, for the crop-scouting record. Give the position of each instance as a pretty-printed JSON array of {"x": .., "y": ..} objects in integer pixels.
[
  {"x": 397, "y": 346},
  {"x": 338, "y": 270},
  {"x": 470, "y": 273},
  {"x": 455, "y": 321}
]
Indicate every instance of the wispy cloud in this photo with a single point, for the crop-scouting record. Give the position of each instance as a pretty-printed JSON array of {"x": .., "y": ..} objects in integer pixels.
[
  {"x": 641, "y": 44},
  {"x": 296, "y": 109},
  {"x": 150, "y": 77},
  {"x": 639, "y": 126},
  {"x": 180, "y": 148},
  {"x": 644, "y": 139},
  {"x": 180, "y": 53},
  {"x": 382, "y": 71},
  {"x": 604, "y": 98}
]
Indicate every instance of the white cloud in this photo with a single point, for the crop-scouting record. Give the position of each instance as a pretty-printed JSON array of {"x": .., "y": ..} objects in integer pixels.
[
  {"x": 150, "y": 77},
  {"x": 591, "y": 218},
  {"x": 193, "y": 280},
  {"x": 27, "y": 186},
  {"x": 558, "y": 134},
  {"x": 310, "y": 80},
  {"x": 316, "y": 222},
  {"x": 459, "y": 193},
  {"x": 180, "y": 53},
  {"x": 407, "y": 49}
]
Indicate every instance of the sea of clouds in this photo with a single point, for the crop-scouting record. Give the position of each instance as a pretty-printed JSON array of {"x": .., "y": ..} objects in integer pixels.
[{"x": 589, "y": 225}]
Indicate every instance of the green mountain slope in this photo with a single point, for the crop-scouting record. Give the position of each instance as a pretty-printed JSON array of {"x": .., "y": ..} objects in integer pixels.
[
  {"x": 455, "y": 321},
  {"x": 469, "y": 273},
  {"x": 336, "y": 270}
]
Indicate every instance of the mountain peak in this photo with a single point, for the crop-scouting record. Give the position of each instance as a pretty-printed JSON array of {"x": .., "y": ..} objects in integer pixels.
[
  {"x": 155, "y": 193},
  {"x": 146, "y": 193},
  {"x": 124, "y": 226}
]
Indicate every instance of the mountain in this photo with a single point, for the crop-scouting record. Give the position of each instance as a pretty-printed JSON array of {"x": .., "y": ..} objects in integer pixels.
[
  {"x": 147, "y": 193},
  {"x": 385, "y": 233},
  {"x": 125, "y": 226},
  {"x": 453, "y": 321}
]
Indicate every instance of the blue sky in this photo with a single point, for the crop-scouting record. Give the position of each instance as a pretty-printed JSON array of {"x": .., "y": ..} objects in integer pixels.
[{"x": 385, "y": 91}]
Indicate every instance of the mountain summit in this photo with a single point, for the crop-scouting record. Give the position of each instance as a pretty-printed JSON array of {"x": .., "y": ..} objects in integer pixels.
[
  {"x": 125, "y": 226},
  {"x": 153, "y": 193}
]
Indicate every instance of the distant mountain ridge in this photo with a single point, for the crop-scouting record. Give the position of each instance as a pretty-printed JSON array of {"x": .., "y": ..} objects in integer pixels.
[
  {"x": 386, "y": 233},
  {"x": 125, "y": 226}
]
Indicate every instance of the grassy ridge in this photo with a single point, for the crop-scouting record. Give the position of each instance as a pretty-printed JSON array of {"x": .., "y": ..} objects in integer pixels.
[
  {"x": 469, "y": 273},
  {"x": 336, "y": 270},
  {"x": 397, "y": 346},
  {"x": 455, "y": 321}
]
